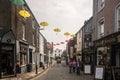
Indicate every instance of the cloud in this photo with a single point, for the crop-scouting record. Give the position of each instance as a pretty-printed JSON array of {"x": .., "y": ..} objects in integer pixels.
[{"x": 68, "y": 15}]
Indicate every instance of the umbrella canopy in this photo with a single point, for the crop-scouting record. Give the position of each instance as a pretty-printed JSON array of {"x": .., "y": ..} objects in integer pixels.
[
  {"x": 62, "y": 42},
  {"x": 24, "y": 13},
  {"x": 44, "y": 24},
  {"x": 72, "y": 35},
  {"x": 57, "y": 44},
  {"x": 17, "y": 2},
  {"x": 66, "y": 40},
  {"x": 71, "y": 39},
  {"x": 57, "y": 30},
  {"x": 66, "y": 33}
]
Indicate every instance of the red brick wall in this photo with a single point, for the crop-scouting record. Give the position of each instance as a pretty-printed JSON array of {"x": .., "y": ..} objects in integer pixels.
[{"x": 108, "y": 12}]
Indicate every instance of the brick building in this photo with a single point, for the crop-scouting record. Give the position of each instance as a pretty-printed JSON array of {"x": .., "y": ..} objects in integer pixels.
[
  {"x": 19, "y": 39},
  {"x": 106, "y": 15}
]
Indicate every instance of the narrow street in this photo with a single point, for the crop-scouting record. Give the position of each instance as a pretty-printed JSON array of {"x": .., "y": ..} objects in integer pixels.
[{"x": 61, "y": 72}]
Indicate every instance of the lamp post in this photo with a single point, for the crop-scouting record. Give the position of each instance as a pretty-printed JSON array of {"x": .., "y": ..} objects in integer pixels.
[
  {"x": 36, "y": 65},
  {"x": 37, "y": 48}
]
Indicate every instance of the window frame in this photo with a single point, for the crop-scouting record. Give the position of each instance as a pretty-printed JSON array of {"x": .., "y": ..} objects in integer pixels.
[
  {"x": 117, "y": 19},
  {"x": 101, "y": 31},
  {"x": 101, "y": 5}
]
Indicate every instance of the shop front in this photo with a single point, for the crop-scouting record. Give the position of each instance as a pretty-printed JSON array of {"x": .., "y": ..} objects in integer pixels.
[
  {"x": 7, "y": 55},
  {"x": 87, "y": 57},
  {"x": 23, "y": 56},
  {"x": 108, "y": 53}
]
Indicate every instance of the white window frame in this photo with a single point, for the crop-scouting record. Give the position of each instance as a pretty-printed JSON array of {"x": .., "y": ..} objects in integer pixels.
[
  {"x": 101, "y": 26},
  {"x": 101, "y": 5},
  {"x": 23, "y": 59},
  {"x": 33, "y": 23},
  {"x": 33, "y": 39},
  {"x": 23, "y": 34},
  {"x": 118, "y": 18}
]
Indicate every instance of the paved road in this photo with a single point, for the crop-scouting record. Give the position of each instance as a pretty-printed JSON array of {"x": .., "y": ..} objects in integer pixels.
[{"x": 61, "y": 72}]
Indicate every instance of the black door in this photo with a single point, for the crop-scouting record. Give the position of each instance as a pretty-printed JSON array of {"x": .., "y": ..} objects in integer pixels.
[{"x": 7, "y": 60}]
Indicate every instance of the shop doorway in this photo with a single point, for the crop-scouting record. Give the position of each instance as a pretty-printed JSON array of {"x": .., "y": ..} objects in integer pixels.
[{"x": 7, "y": 60}]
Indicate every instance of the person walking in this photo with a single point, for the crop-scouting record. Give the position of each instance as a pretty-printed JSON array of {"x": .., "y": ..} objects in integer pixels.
[
  {"x": 74, "y": 65},
  {"x": 70, "y": 65},
  {"x": 78, "y": 64}
]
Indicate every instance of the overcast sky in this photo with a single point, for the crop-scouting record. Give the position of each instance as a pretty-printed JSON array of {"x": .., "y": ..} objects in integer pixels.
[{"x": 68, "y": 15}]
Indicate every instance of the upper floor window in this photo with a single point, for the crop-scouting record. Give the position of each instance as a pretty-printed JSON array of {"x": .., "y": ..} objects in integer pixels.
[
  {"x": 101, "y": 4},
  {"x": 33, "y": 23},
  {"x": 100, "y": 29},
  {"x": 23, "y": 30},
  {"x": 33, "y": 38},
  {"x": 118, "y": 18}
]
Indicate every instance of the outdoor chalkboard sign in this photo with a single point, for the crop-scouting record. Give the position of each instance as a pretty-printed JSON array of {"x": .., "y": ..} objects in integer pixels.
[
  {"x": 87, "y": 69},
  {"x": 99, "y": 73}
]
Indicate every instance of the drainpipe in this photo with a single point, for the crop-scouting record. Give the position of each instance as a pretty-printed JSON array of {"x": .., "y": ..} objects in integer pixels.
[
  {"x": 36, "y": 71},
  {"x": 0, "y": 60}
]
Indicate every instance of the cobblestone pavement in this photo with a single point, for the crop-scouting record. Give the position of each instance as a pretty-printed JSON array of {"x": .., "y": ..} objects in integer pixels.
[{"x": 61, "y": 72}]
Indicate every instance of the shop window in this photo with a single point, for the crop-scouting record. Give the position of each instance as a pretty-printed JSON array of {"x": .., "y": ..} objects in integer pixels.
[
  {"x": 23, "y": 57},
  {"x": 101, "y": 4}
]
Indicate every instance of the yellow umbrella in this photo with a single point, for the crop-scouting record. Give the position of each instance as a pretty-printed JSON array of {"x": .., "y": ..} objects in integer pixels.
[
  {"x": 24, "y": 13},
  {"x": 57, "y": 30},
  {"x": 72, "y": 35},
  {"x": 44, "y": 24},
  {"x": 66, "y": 33}
]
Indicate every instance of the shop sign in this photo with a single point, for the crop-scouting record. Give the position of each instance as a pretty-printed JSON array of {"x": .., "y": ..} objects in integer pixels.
[
  {"x": 106, "y": 41},
  {"x": 109, "y": 40}
]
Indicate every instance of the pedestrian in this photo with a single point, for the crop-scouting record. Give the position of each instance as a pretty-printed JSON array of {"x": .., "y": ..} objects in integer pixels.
[
  {"x": 78, "y": 64},
  {"x": 70, "y": 65},
  {"x": 74, "y": 65}
]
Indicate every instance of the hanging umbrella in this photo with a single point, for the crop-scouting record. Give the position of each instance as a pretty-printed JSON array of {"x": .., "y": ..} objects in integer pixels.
[
  {"x": 72, "y": 35},
  {"x": 17, "y": 2},
  {"x": 66, "y": 33},
  {"x": 71, "y": 39},
  {"x": 62, "y": 42},
  {"x": 57, "y": 30},
  {"x": 66, "y": 40},
  {"x": 54, "y": 44},
  {"x": 49, "y": 45},
  {"x": 24, "y": 13},
  {"x": 44, "y": 24},
  {"x": 57, "y": 44}
]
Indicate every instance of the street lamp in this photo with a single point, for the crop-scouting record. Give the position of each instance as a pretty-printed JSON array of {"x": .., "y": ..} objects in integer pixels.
[{"x": 41, "y": 24}]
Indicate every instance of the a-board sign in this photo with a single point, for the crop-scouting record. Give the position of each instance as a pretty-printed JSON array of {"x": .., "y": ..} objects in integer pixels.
[
  {"x": 87, "y": 69},
  {"x": 99, "y": 72}
]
